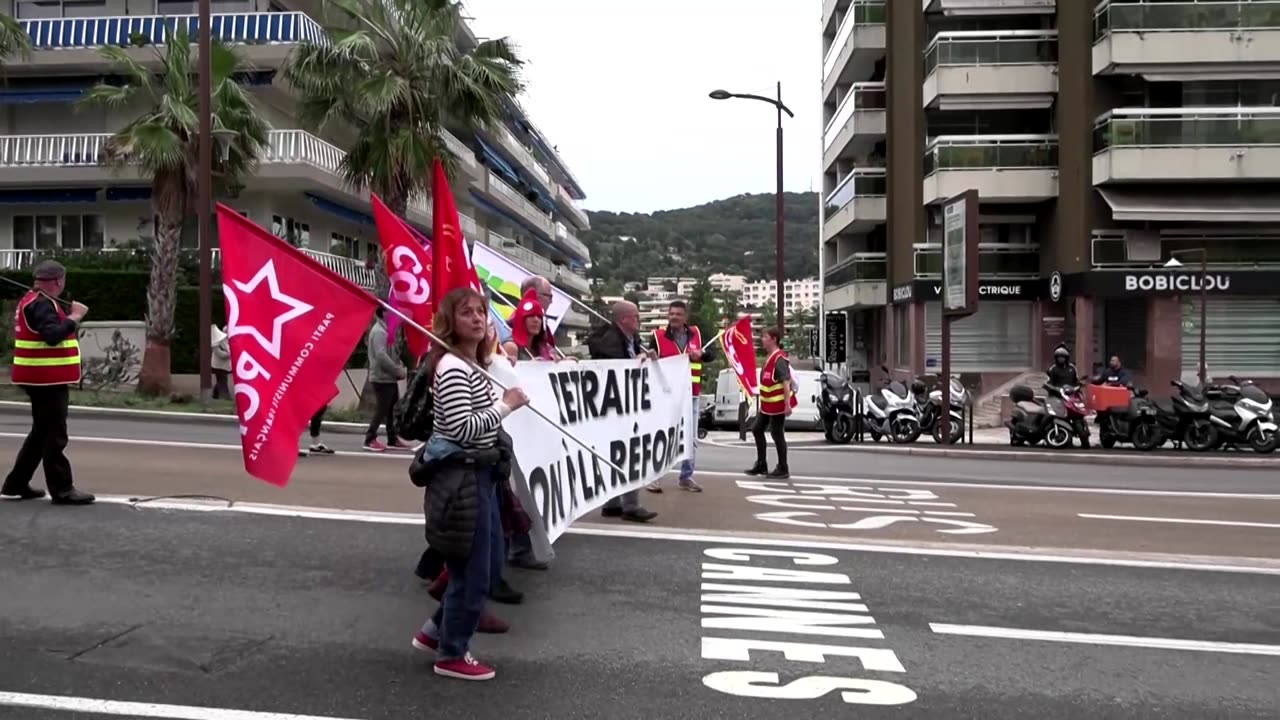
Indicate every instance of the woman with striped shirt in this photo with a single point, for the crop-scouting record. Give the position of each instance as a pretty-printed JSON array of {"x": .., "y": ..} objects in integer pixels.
[{"x": 467, "y": 416}]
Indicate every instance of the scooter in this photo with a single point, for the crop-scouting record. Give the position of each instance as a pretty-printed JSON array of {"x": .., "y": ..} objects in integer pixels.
[
  {"x": 1184, "y": 419},
  {"x": 1034, "y": 421},
  {"x": 930, "y": 407},
  {"x": 1135, "y": 422},
  {"x": 1242, "y": 414},
  {"x": 891, "y": 412},
  {"x": 706, "y": 419},
  {"x": 835, "y": 408}
]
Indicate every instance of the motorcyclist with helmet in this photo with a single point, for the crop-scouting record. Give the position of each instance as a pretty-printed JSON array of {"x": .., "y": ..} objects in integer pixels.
[{"x": 1063, "y": 372}]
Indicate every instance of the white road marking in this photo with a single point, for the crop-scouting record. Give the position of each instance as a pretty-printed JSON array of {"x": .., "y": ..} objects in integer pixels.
[
  {"x": 1115, "y": 640},
  {"x": 399, "y": 456},
  {"x": 1180, "y": 521},
  {"x": 141, "y": 709},
  {"x": 807, "y": 542}
]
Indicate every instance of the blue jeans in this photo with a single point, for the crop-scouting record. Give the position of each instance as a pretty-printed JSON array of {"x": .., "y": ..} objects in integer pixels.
[
  {"x": 686, "y": 467},
  {"x": 459, "y": 613}
]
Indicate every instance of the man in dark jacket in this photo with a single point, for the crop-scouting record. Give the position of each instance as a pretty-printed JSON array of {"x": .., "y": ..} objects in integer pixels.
[
  {"x": 1115, "y": 374},
  {"x": 620, "y": 340},
  {"x": 1063, "y": 372}
]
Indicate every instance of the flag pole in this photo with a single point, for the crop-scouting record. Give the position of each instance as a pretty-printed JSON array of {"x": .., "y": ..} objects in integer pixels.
[{"x": 435, "y": 339}]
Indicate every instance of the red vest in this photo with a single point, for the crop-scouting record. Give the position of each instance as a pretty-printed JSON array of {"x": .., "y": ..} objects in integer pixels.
[
  {"x": 36, "y": 362},
  {"x": 668, "y": 348},
  {"x": 772, "y": 397}
]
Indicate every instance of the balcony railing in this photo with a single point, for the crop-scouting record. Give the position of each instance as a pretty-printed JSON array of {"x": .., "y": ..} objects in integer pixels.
[
  {"x": 991, "y": 152},
  {"x": 996, "y": 260},
  {"x": 862, "y": 12},
  {"x": 1186, "y": 127},
  {"x": 469, "y": 229},
  {"x": 1112, "y": 253},
  {"x": 567, "y": 278},
  {"x": 523, "y": 156},
  {"x": 526, "y": 209},
  {"x": 570, "y": 205},
  {"x": 522, "y": 256},
  {"x": 861, "y": 183},
  {"x": 1185, "y": 16},
  {"x": 264, "y": 28},
  {"x": 299, "y": 146},
  {"x": 572, "y": 242},
  {"x": 459, "y": 148},
  {"x": 983, "y": 47},
  {"x": 863, "y": 96},
  {"x": 859, "y": 267}
]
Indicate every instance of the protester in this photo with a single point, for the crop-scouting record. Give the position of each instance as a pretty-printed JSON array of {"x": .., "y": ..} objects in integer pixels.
[
  {"x": 385, "y": 373},
  {"x": 776, "y": 404},
  {"x": 462, "y": 467},
  {"x": 317, "y": 447},
  {"x": 220, "y": 361},
  {"x": 681, "y": 338},
  {"x": 531, "y": 339},
  {"x": 46, "y": 360},
  {"x": 620, "y": 340}
]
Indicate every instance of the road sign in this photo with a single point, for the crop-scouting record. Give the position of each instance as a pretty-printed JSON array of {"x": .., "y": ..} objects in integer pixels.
[{"x": 960, "y": 254}]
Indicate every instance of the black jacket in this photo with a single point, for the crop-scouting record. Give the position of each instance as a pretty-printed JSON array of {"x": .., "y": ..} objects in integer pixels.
[
  {"x": 42, "y": 317},
  {"x": 1120, "y": 377},
  {"x": 609, "y": 343},
  {"x": 451, "y": 502},
  {"x": 1063, "y": 375}
]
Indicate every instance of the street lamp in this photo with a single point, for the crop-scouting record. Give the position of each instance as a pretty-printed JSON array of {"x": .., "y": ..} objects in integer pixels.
[
  {"x": 777, "y": 103},
  {"x": 1204, "y": 295},
  {"x": 204, "y": 197}
]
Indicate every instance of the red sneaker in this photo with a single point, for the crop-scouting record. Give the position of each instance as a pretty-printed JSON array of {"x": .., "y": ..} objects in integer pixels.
[
  {"x": 424, "y": 643},
  {"x": 400, "y": 445},
  {"x": 492, "y": 624},
  {"x": 375, "y": 446},
  {"x": 464, "y": 668}
]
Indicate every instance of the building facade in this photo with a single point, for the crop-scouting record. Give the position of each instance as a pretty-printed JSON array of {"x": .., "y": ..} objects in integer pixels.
[
  {"x": 517, "y": 195},
  {"x": 1110, "y": 144},
  {"x": 803, "y": 294}
]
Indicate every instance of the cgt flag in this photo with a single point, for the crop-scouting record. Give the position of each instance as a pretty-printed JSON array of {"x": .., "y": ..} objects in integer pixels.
[
  {"x": 740, "y": 350},
  {"x": 451, "y": 266},
  {"x": 292, "y": 324},
  {"x": 408, "y": 267}
]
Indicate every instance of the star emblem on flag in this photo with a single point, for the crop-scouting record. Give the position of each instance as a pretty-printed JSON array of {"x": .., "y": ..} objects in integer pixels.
[{"x": 297, "y": 308}]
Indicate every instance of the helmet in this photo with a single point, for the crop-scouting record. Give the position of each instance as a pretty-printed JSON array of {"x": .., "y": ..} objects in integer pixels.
[{"x": 1061, "y": 351}]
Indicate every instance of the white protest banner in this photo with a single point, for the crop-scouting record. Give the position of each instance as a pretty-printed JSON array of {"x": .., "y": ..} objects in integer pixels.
[
  {"x": 615, "y": 406},
  {"x": 505, "y": 277}
]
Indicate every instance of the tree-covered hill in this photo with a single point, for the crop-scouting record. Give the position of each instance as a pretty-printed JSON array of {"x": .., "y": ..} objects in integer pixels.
[{"x": 734, "y": 236}]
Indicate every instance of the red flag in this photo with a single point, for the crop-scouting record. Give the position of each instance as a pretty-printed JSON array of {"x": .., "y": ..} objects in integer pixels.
[
  {"x": 408, "y": 266},
  {"x": 450, "y": 262},
  {"x": 741, "y": 353},
  {"x": 292, "y": 324}
]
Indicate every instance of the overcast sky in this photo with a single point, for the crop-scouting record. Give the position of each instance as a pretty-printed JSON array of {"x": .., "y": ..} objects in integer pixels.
[{"x": 621, "y": 88}]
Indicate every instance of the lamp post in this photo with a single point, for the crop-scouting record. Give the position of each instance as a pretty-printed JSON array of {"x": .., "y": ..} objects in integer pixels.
[
  {"x": 204, "y": 199},
  {"x": 777, "y": 103},
  {"x": 1204, "y": 296}
]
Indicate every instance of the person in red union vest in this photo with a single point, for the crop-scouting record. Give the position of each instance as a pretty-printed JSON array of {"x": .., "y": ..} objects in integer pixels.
[
  {"x": 776, "y": 404},
  {"x": 46, "y": 360},
  {"x": 681, "y": 338}
]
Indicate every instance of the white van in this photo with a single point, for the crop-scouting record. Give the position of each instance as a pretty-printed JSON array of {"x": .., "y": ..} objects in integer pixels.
[{"x": 804, "y": 417}]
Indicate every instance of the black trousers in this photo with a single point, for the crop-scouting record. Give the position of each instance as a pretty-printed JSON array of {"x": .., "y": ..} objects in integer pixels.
[
  {"x": 45, "y": 443},
  {"x": 776, "y": 426},
  {"x": 316, "y": 421},
  {"x": 742, "y": 420},
  {"x": 221, "y": 389},
  {"x": 387, "y": 394}
]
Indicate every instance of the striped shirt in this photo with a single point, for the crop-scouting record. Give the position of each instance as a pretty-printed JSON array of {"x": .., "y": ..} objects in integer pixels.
[{"x": 467, "y": 410}]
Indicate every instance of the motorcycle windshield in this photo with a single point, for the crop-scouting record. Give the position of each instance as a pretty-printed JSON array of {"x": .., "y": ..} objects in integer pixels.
[
  {"x": 1254, "y": 393},
  {"x": 897, "y": 388}
]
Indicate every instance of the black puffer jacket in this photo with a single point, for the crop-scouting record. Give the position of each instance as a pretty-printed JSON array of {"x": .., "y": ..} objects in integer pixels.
[{"x": 451, "y": 501}]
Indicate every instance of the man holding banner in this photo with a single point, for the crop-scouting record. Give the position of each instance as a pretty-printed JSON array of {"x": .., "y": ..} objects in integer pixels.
[{"x": 680, "y": 338}]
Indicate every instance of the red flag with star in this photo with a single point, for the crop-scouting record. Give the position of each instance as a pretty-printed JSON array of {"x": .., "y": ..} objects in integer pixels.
[
  {"x": 291, "y": 324},
  {"x": 451, "y": 266},
  {"x": 409, "y": 268}
]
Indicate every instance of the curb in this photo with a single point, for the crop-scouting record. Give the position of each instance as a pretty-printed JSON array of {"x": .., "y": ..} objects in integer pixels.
[{"x": 10, "y": 407}]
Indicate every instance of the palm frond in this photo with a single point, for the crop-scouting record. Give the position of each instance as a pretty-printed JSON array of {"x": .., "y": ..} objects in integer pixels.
[{"x": 13, "y": 39}]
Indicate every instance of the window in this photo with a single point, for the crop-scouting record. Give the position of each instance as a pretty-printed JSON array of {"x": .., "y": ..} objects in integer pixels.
[
  {"x": 902, "y": 335},
  {"x": 46, "y": 232},
  {"x": 297, "y": 234},
  {"x": 40, "y": 9},
  {"x": 344, "y": 246}
]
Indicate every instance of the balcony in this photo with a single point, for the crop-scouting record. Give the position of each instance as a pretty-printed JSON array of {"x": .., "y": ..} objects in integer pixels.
[
  {"x": 265, "y": 38},
  {"x": 1002, "y": 168},
  {"x": 523, "y": 157},
  {"x": 959, "y": 8},
  {"x": 857, "y": 204},
  {"x": 858, "y": 123},
  {"x": 466, "y": 156},
  {"x": 1187, "y": 144},
  {"x": 984, "y": 70},
  {"x": 514, "y": 201},
  {"x": 860, "y": 280},
  {"x": 1110, "y": 250},
  {"x": 468, "y": 224},
  {"x": 522, "y": 256},
  {"x": 1187, "y": 40},
  {"x": 569, "y": 205},
  {"x": 570, "y": 280},
  {"x": 573, "y": 246},
  {"x": 995, "y": 260},
  {"x": 859, "y": 42}
]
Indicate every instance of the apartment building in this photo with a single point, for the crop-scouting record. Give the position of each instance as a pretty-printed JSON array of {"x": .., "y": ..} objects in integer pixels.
[
  {"x": 519, "y": 195},
  {"x": 1110, "y": 143},
  {"x": 802, "y": 294}
]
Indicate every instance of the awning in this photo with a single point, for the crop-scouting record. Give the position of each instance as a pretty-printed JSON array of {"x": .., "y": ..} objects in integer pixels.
[
  {"x": 32, "y": 197},
  {"x": 27, "y": 96},
  {"x": 339, "y": 210},
  {"x": 499, "y": 164},
  {"x": 1180, "y": 204}
]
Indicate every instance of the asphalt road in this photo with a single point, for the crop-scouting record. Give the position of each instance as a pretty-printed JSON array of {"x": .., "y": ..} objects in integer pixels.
[{"x": 270, "y": 614}]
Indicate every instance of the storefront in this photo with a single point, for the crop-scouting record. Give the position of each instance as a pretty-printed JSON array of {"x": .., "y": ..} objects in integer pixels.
[{"x": 997, "y": 338}]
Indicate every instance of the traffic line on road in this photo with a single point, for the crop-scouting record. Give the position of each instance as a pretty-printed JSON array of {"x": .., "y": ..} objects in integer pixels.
[
  {"x": 986, "y": 552},
  {"x": 141, "y": 709},
  {"x": 1179, "y": 521},
  {"x": 1112, "y": 640},
  {"x": 388, "y": 455}
]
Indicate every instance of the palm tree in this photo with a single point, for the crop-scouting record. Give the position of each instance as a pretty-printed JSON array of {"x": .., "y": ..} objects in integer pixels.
[
  {"x": 391, "y": 70},
  {"x": 13, "y": 39},
  {"x": 162, "y": 144}
]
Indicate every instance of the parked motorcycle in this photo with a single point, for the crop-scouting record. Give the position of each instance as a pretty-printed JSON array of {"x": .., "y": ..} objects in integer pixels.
[
  {"x": 1039, "y": 420},
  {"x": 891, "y": 412},
  {"x": 1133, "y": 421},
  {"x": 1241, "y": 414},
  {"x": 930, "y": 407},
  {"x": 1077, "y": 410},
  {"x": 1184, "y": 418},
  {"x": 835, "y": 408},
  {"x": 706, "y": 420}
]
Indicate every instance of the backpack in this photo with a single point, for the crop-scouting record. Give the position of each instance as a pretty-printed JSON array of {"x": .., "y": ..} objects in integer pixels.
[{"x": 414, "y": 413}]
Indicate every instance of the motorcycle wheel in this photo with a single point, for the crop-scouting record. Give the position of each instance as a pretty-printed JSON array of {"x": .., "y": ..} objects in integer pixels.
[
  {"x": 841, "y": 431},
  {"x": 702, "y": 433},
  {"x": 1263, "y": 442},
  {"x": 1058, "y": 436},
  {"x": 1200, "y": 437},
  {"x": 957, "y": 432},
  {"x": 1107, "y": 441},
  {"x": 908, "y": 436},
  {"x": 1145, "y": 437}
]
